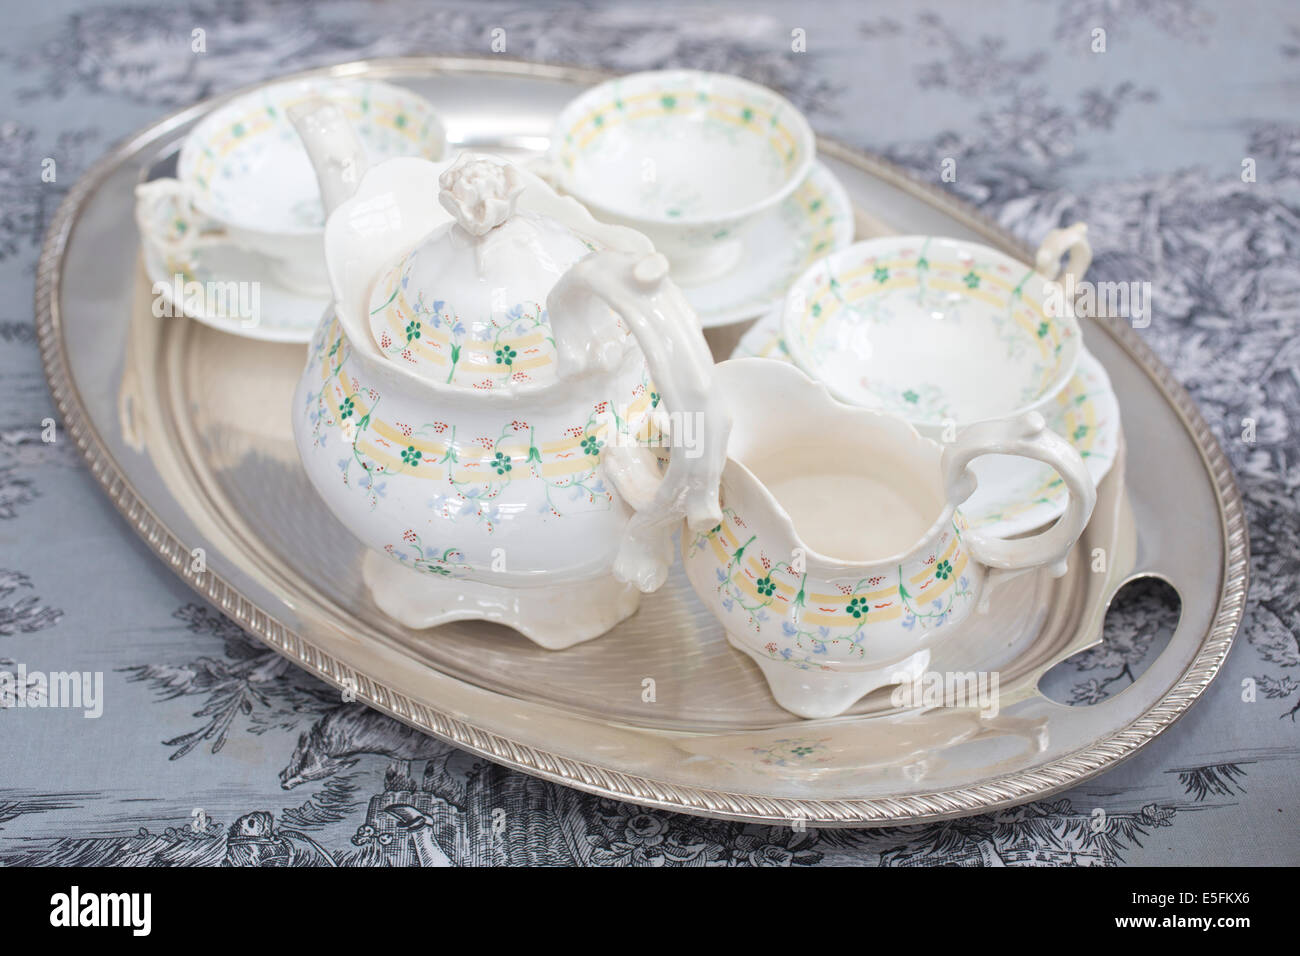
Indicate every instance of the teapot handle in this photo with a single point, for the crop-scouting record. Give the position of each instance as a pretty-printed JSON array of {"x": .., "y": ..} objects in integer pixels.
[
  {"x": 637, "y": 287},
  {"x": 1029, "y": 437}
]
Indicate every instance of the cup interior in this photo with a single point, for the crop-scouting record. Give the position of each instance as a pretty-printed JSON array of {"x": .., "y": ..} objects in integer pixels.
[
  {"x": 681, "y": 147},
  {"x": 248, "y": 169},
  {"x": 934, "y": 330}
]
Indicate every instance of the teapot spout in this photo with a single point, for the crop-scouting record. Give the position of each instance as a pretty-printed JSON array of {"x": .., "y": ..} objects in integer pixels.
[{"x": 335, "y": 150}]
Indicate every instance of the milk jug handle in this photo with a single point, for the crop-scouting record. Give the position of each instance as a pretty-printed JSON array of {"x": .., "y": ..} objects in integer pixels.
[
  {"x": 637, "y": 287},
  {"x": 1027, "y": 436}
]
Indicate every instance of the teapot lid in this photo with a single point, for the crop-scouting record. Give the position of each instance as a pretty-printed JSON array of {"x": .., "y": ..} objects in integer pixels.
[{"x": 467, "y": 306}]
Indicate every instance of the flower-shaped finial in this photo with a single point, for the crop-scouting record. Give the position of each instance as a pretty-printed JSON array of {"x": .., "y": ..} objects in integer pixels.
[{"x": 480, "y": 193}]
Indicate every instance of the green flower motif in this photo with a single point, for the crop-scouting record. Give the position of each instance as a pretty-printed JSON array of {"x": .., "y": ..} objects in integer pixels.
[
  {"x": 598, "y": 120},
  {"x": 1080, "y": 432},
  {"x": 747, "y": 114},
  {"x": 1043, "y": 329},
  {"x": 881, "y": 274},
  {"x": 501, "y": 463},
  {"x": 817, "y": 308},
  {"x": 669, "y": 102},
  {"x": 238, "y": 129},
  {"x": 400, "y": 121},
  {"x": 412, "y": 455},
  {"x": 943, "y": 570},
  {"x": 801, "y": 751},
  {"x": 506, "y": 356},
  {"x": 922, "y": 264},
  {"x": 911, "y": 397},
  {"x": 857, "y": 607},
  {"x": 412, "y": 330},
  {"x": 971, "y": 279},
  {"x": 766, "y": 586},
  {"x": 591, "y": 445},
  {"x": 654, "y": 399},
  {"x": 347, "y": 408}
]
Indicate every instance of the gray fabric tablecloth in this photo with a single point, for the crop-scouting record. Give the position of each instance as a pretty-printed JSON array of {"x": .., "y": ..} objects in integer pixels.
[{"x": 1146, "y": 141}]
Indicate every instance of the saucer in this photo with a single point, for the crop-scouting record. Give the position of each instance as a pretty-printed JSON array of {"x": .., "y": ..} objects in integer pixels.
[
  {"x": 278, "y": 313},
  {"x": 1013, "y": 495},
  {"x": 813, "y": 221}
]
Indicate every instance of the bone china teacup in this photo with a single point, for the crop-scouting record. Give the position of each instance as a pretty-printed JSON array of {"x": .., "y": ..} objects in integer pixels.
[
  {"x": 843, "y": 552},
  {"x": 688, "y": 158},
  {"x": 244, "y": 179},
  {"x": 942, "y": 332}
]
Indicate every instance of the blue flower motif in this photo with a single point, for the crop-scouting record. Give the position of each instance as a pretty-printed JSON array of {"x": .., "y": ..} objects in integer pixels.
[
  {"x": 787, "y": 628},
  {"x": 728, "y": 604},
  {"x": 720, "y": 574}
]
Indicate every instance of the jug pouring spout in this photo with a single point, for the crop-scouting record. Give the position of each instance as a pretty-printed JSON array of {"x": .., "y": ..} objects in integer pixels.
[{"x": 334, "y": 148}]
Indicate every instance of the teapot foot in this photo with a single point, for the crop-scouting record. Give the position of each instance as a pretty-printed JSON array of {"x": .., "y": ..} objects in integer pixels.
[
  {"x": 814, "y": 694},
  {"x": 555, "y": 616}
]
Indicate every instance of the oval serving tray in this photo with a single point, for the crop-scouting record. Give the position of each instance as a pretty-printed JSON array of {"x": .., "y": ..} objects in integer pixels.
[{"x": 188, "y": 432}]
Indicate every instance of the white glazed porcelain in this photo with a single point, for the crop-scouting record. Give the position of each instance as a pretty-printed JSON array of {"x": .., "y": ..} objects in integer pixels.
[
  {"x": 529, "y": 499},
  {"x": 687, "y": 157},
  {"x": 244, "y": 179},
  {"x": 942, "y": 332},
  {"x": 813, "y": 221},
  {"x": 842, "y": 552},
  {"x": 1014, "y": 495},
  {"x": 222, "y": 285}
]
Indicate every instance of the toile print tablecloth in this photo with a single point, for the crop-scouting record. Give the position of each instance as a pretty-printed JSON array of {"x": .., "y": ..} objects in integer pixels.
[{"x": 1177, "y": 141}]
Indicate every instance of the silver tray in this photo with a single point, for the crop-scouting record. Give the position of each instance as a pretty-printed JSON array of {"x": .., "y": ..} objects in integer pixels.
[{"x": 187, "y": 430}]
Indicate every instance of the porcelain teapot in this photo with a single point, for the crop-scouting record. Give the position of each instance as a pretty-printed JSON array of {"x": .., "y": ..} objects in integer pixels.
[{"x": 481, "y": 405}]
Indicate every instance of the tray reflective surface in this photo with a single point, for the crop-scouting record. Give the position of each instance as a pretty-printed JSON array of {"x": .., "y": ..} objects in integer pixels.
[{"x": 188, "y": 430}]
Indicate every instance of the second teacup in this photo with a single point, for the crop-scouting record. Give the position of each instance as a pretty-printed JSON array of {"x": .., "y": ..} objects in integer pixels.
[
  {"x": 941, "y": 332},
  {"x": 686, "y": 157}
]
